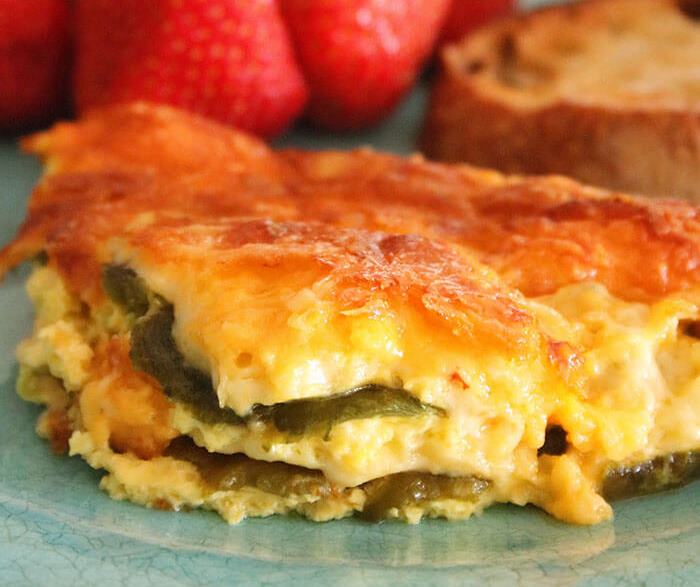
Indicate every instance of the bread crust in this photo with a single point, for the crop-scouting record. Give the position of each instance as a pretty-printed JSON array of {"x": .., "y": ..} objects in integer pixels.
[{"x": 648, "y": 144}]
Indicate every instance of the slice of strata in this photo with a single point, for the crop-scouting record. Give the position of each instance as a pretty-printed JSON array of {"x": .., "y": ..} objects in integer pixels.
[{"x": 224, "y": 326}]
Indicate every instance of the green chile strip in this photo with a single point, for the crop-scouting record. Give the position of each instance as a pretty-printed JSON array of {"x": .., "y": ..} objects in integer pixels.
[
  {"x": 223, "y": 472},
  {"x": 406, "y": 489},
  {"x": 154, "y": 351},
  {"x": 126, "y": 289},
  {"x": 153, "y": 348},
  {"x": 664, "y": 472},
  {"x": 321, "y": 414}
]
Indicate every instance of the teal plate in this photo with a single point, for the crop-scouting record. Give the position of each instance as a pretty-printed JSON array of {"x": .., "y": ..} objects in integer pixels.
[{"x": 58, "y": 528}]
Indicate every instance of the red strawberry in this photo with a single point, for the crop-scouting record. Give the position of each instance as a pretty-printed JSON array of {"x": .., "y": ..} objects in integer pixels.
[
  {"x": 227, "y": 59},
  {"x": 467, "y": 15},
  {"x": 34, "y": 52},
  {"x": 360, "y": 56}
]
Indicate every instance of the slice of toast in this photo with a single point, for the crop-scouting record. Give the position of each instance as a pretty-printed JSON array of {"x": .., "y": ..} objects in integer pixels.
[{"x": 607, "y": 91}]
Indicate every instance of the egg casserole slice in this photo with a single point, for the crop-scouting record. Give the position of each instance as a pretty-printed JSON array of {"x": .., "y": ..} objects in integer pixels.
[{"x": 221, "y": 325}]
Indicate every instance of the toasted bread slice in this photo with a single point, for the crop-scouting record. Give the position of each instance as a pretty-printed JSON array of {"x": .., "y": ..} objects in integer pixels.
[{"x": 606, "y": 91}]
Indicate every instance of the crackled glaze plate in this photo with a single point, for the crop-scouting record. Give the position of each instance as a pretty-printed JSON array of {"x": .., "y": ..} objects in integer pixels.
[{"x": 57, "y": 528}]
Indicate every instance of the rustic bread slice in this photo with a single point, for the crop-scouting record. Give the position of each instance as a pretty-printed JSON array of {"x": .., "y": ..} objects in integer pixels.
[{"x": 607, "y": 91}]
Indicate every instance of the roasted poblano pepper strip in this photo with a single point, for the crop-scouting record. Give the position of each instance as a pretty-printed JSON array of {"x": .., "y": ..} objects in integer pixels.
[
  {"x": 406, "y": 489},
  {"x": 664, "y": 472},
  {"x": 126, "y": 289},
  {"x": 321, "y": 414},
  {"x": 224, "y": 472},
  {"x": 153, "y": 350}
]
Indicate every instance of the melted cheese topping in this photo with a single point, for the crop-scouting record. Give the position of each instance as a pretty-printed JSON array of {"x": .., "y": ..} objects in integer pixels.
[{"x": 634, "y": 393}]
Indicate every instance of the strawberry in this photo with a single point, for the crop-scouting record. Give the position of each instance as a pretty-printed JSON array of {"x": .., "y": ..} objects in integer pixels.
[
  {"x": 467, "y": 15},
  {"x": 34, "y": 53},
  {"x": 360, "y": 56},
  {"x": 230, "y": 60}
]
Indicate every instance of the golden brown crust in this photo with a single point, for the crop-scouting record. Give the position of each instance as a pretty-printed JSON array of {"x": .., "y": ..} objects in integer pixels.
[
  {"x": 557, "y": 92},
  {"x": 444, "y": 285},
  {"x": 539, "y": 234}
]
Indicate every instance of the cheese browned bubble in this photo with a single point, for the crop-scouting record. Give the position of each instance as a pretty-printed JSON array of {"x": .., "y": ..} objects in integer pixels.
[{"x": 529, "y": 381}]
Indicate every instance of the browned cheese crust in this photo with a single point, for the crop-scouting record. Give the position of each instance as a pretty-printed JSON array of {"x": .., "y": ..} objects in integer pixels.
[
  {"x": 606, "y": 91},
  {"x": 539, "y": 234}
]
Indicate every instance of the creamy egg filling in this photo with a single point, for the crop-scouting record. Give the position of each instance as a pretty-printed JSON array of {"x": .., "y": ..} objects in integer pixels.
[{"x": 633, "y": 395}]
